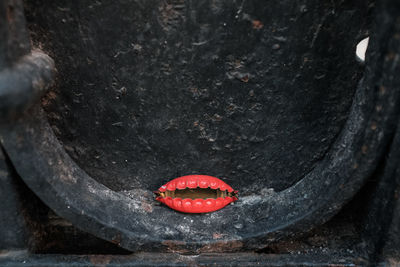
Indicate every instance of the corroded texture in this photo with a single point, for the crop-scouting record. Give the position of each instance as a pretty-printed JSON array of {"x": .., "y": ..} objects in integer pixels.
[
  {"x": 249, "y": 92},
  {"x": 270, "y": 97}
]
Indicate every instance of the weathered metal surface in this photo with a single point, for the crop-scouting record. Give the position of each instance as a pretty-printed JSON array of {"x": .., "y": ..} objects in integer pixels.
[
  {"x": 249, "y": 92},
  {"x": 24, "y": 83},
  {"x": 24, "y": 76},
  {"x": 216, "y": 86},
  {"x": 15, "y": 41},
  {"x": 16, "y": 259},
  {"x": 13, "y": 231},
  {"x": 381, "y": 225},
  {"x": 317, "y": 146}
]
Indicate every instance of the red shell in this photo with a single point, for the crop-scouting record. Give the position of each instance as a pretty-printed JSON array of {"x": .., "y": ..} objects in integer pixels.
[{"x": 196, "y": 205}]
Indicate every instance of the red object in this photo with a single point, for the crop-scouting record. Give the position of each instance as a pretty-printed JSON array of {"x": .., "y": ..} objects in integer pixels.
[{"x": 198, "y": 205}]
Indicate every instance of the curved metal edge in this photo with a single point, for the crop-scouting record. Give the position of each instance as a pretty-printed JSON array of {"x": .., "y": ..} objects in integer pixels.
[
  {"x": 74, "y": 195},
  {"x": 344, "y": 169},
  {"x": 66, "y": 188},
  {"x": 24, "y": 83},
  {"x": 370, "y": 128},
  {"x": 23, "y": 259}
]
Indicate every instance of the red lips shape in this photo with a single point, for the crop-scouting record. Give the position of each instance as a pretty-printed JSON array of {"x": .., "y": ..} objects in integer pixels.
[{"x": 225, "y": 194}]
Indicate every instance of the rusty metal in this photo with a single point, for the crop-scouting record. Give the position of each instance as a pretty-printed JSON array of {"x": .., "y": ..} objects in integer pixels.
[{"x": 268, "y": 97}]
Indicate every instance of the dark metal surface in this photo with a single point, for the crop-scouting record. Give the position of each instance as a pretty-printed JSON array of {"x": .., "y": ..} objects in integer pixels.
[
  {"x": 13, "y": 232},
  {"x": 268, "y": 97},
  {"x": 252, "y": 93},
  {"x": 24, "y": 76},
  {"x": 15, "y": 41},
  {"x": 130, "y": 217},
  {"x": 19, "y": 258},
  {"x": 24, "y": 83}
]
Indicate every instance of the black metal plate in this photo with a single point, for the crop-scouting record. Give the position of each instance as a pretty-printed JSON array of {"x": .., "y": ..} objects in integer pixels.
[
  {"x": 249, "y": 92},
  {"x": 131, "y": 219}
]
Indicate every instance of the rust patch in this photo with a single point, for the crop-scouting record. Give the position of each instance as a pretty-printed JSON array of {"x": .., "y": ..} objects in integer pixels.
[
  {"x": 382, "y": 90},
  {"x": 245, "y": 78},
  {"x": 257, "y": 25},
  {"x": 390, "y": 56},
  {"x": 393, "y": 262},
  {"x": 65, "y": 175},
  {"x": 100, "y": 260},
  {"x": 364, "y": 149},
  {"x": 374, "y": 126},
  {"x": 217, "y": 117},
  {"x": 116, "y": 240},
  {"x": 218, "y": 235},
  {"x": 175, "y": 246},
  {"x": 172, "y": 14},
  {"x": 48, "y": 98},
  {"x": 52, "y": 95},
  {"x": 10, "y": 14},
  {"x": 146, "y": 206},
  {"x": 38, "y": 84},
  {"x": 222, "y": 246}
]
